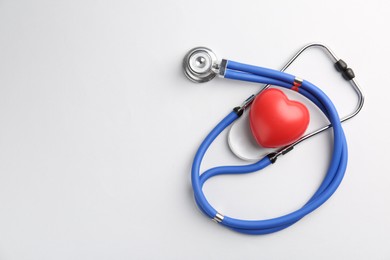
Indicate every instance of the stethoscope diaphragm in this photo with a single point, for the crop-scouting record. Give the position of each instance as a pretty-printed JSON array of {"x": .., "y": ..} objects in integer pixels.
[{"x": 199, "y": 64}]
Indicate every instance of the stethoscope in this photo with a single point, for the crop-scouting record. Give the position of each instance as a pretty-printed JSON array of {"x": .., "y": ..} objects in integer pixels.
[{"x": 201, "y": 65}]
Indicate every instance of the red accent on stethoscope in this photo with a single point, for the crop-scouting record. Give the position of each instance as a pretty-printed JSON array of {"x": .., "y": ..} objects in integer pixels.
[
  {"x": 297, "y": 84},
  {"x": 277, "y": 121}
]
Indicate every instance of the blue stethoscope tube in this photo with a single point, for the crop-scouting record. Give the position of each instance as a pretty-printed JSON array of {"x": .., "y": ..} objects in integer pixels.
[{"x": 332, "y": 180}]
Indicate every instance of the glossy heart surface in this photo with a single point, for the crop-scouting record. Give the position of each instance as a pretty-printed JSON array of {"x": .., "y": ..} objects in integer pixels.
[{"x": 277, "y": 121}]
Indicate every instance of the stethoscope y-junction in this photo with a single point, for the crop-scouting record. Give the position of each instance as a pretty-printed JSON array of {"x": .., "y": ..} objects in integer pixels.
[{"x": 276, "y": 122}]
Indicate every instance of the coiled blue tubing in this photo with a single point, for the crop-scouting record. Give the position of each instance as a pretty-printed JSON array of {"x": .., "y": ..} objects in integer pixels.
[{"x": 330, "y": 183}]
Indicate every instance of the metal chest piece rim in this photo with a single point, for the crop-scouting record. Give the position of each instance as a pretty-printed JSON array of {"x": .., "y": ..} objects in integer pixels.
[{"x": 200, "y": 64}]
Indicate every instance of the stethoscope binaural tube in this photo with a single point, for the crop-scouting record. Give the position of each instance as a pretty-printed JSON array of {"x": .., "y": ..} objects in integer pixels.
[{"x": 335, "y": 172}]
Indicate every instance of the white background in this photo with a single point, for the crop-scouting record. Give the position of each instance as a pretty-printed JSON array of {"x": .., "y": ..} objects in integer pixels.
[{"x": 98, "y": 128}]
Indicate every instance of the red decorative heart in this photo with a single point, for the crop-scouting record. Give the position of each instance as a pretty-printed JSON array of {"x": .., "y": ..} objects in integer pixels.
[{"x": 276, "y": 120}]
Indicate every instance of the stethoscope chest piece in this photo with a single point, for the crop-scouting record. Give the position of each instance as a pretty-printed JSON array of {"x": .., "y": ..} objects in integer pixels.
[{"x": 199, "y": 64}]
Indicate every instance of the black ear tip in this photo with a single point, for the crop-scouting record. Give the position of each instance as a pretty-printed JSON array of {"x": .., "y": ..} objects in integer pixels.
[
  {"x": 342, "y": 67},
  {"x": 348, "y": 74}
]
